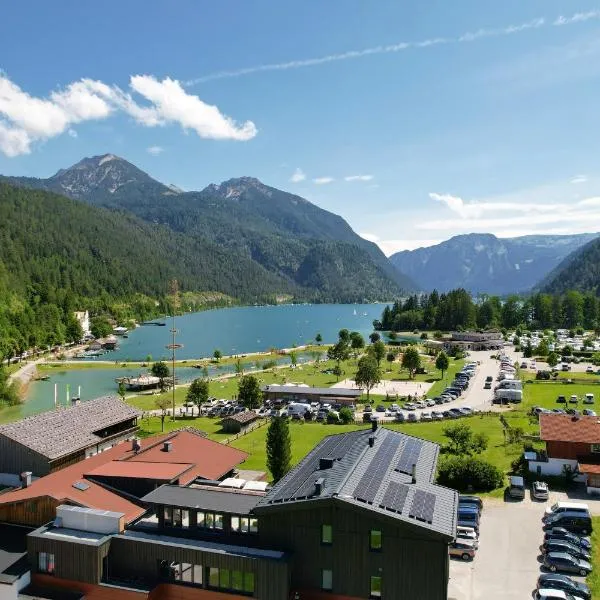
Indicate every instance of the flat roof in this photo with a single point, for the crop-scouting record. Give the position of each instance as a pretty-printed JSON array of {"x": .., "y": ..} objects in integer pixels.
[
  {"x": 311, "y": 391},
  {"x": 224, "y": 500},
  {"x": 89, "y": 538},
  {"x": 140, "y": 470},
  {"x": 13, "y": 548},
  {"x": 375, "y": 477},
  {"x": 228, "y": 549},
  {"x": 65, "y": 430}
]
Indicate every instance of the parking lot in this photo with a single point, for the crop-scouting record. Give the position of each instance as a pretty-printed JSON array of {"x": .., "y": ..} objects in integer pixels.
[{"x": 507, "y": 564}]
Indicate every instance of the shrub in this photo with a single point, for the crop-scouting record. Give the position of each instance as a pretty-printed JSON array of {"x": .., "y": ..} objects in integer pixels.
[
  {"x": 346, "y": 415},
  {"x": 332, "y": 418},
  {"x": 542, "y": 375},
  {"x": 469, "y": 474}
]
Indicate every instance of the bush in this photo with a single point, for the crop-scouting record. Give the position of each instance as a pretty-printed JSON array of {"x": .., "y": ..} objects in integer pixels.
[
  {"x": 469, "y": 474},
  {"x": 543, "y": 375},
  {"x": 346, "y": 415},
  {"x": 332, "y": 418}
]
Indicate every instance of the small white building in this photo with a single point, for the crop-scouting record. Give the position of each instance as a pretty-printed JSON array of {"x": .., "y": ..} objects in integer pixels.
[{"x": 84, "y": 320}]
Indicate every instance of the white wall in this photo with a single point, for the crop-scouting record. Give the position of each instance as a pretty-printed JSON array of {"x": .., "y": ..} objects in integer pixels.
[
  {"x": 554, "y": 466},
  {"x": 11, "y": 591}
]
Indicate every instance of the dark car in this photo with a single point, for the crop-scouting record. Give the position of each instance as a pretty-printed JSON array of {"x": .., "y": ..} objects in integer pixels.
[
  {"x": 473, "y": 499},
  {"x": 559, "y": 533},
  {"x": 561, "y": 400},
  {"x": 556, "y": 581},
  {"x": 380, "y": 408},
  {"x": 574, "y": 522},
  {"x": 487, "y": 385},
  {"x": 489, "y": 379},
  {"x": 467, "y": 502},
  {"x": 563, "y": 546},
  {"x": 455, "y": 413},
  {"x": 561, "y": 561}
]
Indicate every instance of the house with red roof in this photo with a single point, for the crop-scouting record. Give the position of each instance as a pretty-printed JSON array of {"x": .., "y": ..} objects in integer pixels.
[
  {"x": 572, "y": 442},
  {"x": 116, "y": 479}
]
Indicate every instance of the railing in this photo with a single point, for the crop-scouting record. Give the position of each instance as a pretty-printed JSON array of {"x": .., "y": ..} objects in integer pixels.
[{"x": 245, "y": 430}]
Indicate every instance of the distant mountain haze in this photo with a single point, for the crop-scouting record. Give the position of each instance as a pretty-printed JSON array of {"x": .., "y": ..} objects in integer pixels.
[
  {"x": 310, "y": 249},
  {"x": 481, "y": 262}
]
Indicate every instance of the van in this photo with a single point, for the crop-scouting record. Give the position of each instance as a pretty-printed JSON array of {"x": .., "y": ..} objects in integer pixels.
[
  {"x": 299, "y": 408},
  {"x": 510, "y": 384},
  {"x": 574, "y": 522},
  {"x": 516, "y": 487},
  {"x": 559, "y": 507},
  {"x": 589, "y": 399}
]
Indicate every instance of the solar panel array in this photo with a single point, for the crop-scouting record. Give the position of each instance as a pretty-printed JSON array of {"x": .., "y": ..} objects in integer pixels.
[
  {"x": 302, "y": 483},
  {"x": 394, "y": 497},
  {"x": 410, "y": 456},
  {"x": 422, "y": 506},
  {"x": 368, "y": 486}
]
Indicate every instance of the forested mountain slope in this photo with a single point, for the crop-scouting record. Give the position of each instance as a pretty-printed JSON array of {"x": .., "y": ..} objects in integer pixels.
[{"x": 579, "y": 271}]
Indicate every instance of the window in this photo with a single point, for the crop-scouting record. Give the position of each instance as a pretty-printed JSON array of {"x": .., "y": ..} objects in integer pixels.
[
  {"x": 218, "y": 521},
  {"x": 596, "y": 448},
  {"x": 326, "y": 534},
  {"x": 375, "y": 586},
  {"x": 186, "y": 572},
  {"x": 46, "y": 562},
  {"x": 327, "y": 579},
  {"x": 237, "y": 580},
  {"x": 244, "y": 525},
  {"x": 185, "y": 518},
  {"x": 249, "y": 582},
  {"x": 375, "y": 540},
  {"x": 198, "y": 574},
  {"x": 168, "y": 516},
  {"x": 176, "y": 517},
  {"x": 213, "y": 577},
  {"x": 224, "y": 579}
]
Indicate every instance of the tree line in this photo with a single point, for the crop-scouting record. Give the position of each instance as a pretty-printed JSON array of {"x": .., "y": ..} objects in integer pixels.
[{"x": 458, "y": 310}]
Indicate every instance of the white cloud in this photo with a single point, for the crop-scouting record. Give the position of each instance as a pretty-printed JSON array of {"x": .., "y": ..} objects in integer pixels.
[
  {"x": 298, "y": 176},
  {"x": 371, "y": 237},
  {"x": 155, "y": 150},
  {"x": 467, "y": 37},
  {"x": 389, "y": 247},
  {"x": 72, "y": 133},
  {"x": 579, "y": 179},
  {"x": 358, "y": 178},
  {"x": 323, "y": 180},
  {"x": 26, "y": 119}
]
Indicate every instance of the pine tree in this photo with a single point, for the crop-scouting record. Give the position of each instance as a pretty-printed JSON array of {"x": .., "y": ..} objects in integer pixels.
[{"x": 279, "y": 448}]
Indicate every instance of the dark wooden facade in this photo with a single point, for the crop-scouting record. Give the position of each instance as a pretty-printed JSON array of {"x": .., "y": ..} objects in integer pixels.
[
  {"x": 568, "y": 450},
  {"x": 412, "y": 562},
  {"x": 35, "y": 511}
]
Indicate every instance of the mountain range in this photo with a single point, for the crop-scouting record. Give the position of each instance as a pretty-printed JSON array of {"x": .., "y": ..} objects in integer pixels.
[
  {"x": 309, "y": 253},
  {"x": 483, "y": 263}
]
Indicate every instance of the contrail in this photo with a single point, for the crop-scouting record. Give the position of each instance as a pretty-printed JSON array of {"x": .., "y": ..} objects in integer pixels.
[{"x": 392, "y": 48}]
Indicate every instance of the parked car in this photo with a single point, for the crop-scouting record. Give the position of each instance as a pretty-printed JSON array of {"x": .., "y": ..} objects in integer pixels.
[
  {"x": 563, "y": 546},
  {"x": 473, "y": 499},
  {"x": 556, "y": 581},
  {"x": 425, "y": 416},
  {"x": 467, "y": 533},
  {"x": 561, "y": 399},
  {"x": 467, "y": 502},
  {"x": 560, "y": 533},
  {"x": 466, "y": 410},
  {"x": 421, "y": 404},
  {"x": 436, "y": 415},
  {"x": 590, "y": 369},
  {"x": 523, "y": 365},
  {"x": 410, "y": 406},
  {"x": 487, "y": 385},
  {"x": 463, "y": 549},
  {"x": 588, "y": 398},
  {"x": 559, "y": 507},
  {"x": 550, "y": 594},
  {"x": 394, "y": 407},
  {"x": 561, "y": 561},
  {"x": 368, "y": 408},
  {"x": 516, "y": 487},
  {"x": 575, "y": 522},
  {"x": 589, "y": 413},
  {"x": 455, "y": 413},
  {"x": 573, "y": 399},
  {"x": 430, "y": 402},
  {"x": 400, "y": 418},
  {"x": 412, "y": 417},
  {"x": 539, "y": 490},
  {"x": 380, "y": 408},
  {"x": 489, "y": 379}
]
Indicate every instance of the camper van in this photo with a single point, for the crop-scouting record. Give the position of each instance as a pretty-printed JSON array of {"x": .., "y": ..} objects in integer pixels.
[
  {"x": 508, "y": 396},
  {"x": 298, "y": 408}
]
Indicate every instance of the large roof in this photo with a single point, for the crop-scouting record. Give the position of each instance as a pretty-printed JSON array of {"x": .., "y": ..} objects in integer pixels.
[
  {"x": 65, "y": 430},
  {"x": 377, "y": 477},
  {"x": 274, "y": 388},
  {"x": 191, "y": 456},
  {"x": 218, "y": 500},
  {"x": 567, "y": 428}
]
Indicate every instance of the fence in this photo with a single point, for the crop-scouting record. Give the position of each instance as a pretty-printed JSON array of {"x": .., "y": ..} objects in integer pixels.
[{"x": 245, "y": 430}]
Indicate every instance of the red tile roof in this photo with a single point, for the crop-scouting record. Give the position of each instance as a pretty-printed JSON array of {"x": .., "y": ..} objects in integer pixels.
[
  {"x": 140, "y": 470},
  {"x": 191, "y": 456},
  {"x": 211, "y": 459},
  {"x": 568, "y": 428}
]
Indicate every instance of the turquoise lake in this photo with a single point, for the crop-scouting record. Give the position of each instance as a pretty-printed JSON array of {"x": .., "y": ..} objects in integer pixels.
[{"x": 232, "y": 330}]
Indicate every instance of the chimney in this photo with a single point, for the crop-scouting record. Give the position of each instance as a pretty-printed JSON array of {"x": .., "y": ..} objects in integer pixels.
[
  {"x": 319, "y": 486},
  {"x": 325, "y": 463},
  {"x": 373, "y": 425},
  {"x": 414, "y": 473},
  {"x": 167, "y": 446},
  {"x": 135, "y": 445},
  {"x": 26, "y": 479},
  {"x": 371, "y": 440}
]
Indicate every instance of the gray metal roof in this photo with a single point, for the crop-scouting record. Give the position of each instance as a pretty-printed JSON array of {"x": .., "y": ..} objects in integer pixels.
[
  {"x": 312, "y": 391},
  {"x": 368, "y": 477},
  {"x": 223, "y": 501},
  {"x": 64, "y": 430}
]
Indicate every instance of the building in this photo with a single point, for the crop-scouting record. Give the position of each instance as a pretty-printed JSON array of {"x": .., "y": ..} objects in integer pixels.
[
  {"x": 14, "y": 566},
  {"x": 235, "y": 423},
  {"x": 475, "y": 340},
  {"x": 115, "y": 480},
  {"x": 358, "y": 517},
  {"x": 54, "y": 439},
  {"x": 83, "y": 317},
  {"x": 572, "y": 442},
  {"x": 303, "y": 393}
]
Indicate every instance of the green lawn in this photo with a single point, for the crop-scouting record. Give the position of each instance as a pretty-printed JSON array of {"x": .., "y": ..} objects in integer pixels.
[{"x": 593, "y": 580}]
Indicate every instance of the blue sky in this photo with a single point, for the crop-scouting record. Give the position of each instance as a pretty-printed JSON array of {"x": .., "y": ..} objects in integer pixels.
[{"x": 414, "y": 121}]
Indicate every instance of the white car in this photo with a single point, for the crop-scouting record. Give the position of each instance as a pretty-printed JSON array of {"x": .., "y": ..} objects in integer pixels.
[
  {"x": 409, "y": 406},
  {"x": 425, "y": 416},
  {"x": 421, "y": 404},
  {"x": 590, "y": 369},
  {"x": 394, "y": 407},
  {"x": 430, "y": 403}
]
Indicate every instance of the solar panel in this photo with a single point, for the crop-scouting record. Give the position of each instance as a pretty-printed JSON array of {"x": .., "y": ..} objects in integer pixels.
[
  {"x": 394, "y": 497},
  {"x": 368, "y": 486},
  {"x": 410, "y": 456},
  {"x": 81, "y": 486},
  {"x": 422, "y": 506}
]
